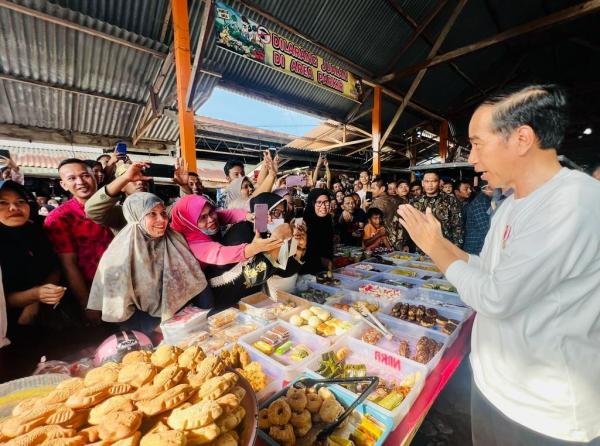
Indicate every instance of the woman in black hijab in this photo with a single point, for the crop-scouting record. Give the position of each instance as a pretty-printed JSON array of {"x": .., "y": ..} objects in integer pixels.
[
  {"x": 231, "y": 282},
  {"x": 30, "y": 272},
  {"x": 319, "y": 228}
]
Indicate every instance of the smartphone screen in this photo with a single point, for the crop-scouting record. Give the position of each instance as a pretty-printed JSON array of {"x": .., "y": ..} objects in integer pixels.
[
  {"x": 122, "y": 149},
  {"x": 5, "y": 153},
  {"x": 295, "y": 180},
  {"x": 160, "y": 170},
  {"x": 261, "y": 218},
  {"x": 369, "y": 196}
]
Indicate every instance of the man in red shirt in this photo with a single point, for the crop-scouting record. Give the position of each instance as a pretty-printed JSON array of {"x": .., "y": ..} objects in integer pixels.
[{"x": 77, "y": 240}]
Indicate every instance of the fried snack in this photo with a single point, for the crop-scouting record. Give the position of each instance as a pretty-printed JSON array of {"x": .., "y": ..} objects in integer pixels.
[
  {"x": 118, "y": 425},
  {"x": 244, "y": 356},
  {"x": 283, "y": 434},
  {"x": 296, "y": 398},
  {"x": 191, "y": 357},
  {"x": 58, "y": 396},
  {"x": 137, "y": 374},
  {"x": 255, "y": 375},
  {"x": 238, "y": 391},
  {"x": 210, "y": 367},
  {"x": 227, "y": 439},
  {"x": 41, "y": 434},
  {"x": 195, "y": 416},
  {"x": 72, "y": 441},
  {"x": 62, "y": 416},
  {"x": 228, "y": 401},
  {"x": 263, "y": 419},
  {"x": 326, "y": 394},
  {"x": 88, "y": 396},
  {"x": 76, "y": 383},
  {"x": 204, "y": 434},
  {"x": 166, "y": 401},
  {"x": 300, "y": 419},
  {"x": 217, "y": 386},
  {"x": 90, "y": 434},
  {"x": 132, "y": 440},
  {"x": 117, "y": 403},
  {"x": 120, "y": 389},
  {"x": 279, "y": 412},
  {"x": 167, "y": 438},
  {"x": 147, "y": 392},
  {"x": 25, "y": 406},
  {"x": 169, "y": 376},
  {"x": 136, "y": 356},
  {"x": 101, "y": 375},
  {"x": 313, "y": 402},
  {"x": 231, "y": 420},
  {"x": 15, "y": 426},
  {"x": 330, "y": 410},
  {"x": 165, "y": 355},
  {"x": 78, "y": 421},
  {"x": 229, "y": 358}
]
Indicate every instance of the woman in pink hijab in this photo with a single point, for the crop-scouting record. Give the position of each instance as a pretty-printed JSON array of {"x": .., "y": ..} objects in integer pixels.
[{"x": 198, "y": 220}]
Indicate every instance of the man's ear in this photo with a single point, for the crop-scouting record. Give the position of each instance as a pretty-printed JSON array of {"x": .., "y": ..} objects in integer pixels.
[
  {"x": 525, "y": 139},
  {"x": 62, "y": 184}
]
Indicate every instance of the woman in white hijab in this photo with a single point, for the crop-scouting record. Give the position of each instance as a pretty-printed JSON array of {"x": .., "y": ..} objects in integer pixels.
[{"x": 147, "y": 273}]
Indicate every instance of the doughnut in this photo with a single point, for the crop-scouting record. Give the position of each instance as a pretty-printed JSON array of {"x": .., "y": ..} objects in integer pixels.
[
  {"x": 313, "y": 402},
  {"x": 296, "y": 398},
  {"x": 279, "y": 413},
  {"x": 283, "y": 434},
  {"x": 300, "y": 419},
  {"x": 263, "y": 419},
  {"x": 330, "y": 410},
  {"x": 326, "y": 394},
  {"x": 303, "y": 430}
]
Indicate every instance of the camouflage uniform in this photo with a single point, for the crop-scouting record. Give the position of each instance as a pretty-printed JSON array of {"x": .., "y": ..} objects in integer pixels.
[{"x": 447, "y": 210}]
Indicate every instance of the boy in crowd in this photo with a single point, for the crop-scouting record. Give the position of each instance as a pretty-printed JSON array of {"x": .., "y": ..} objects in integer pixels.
[{"x": 375, "y": 235}]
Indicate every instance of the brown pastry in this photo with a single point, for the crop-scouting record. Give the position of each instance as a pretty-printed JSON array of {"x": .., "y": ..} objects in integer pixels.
[
  {"x": 313, "y": 402},
  {"x": 136, "y": 356},
  {"x": 229, "y": 401},
  {"x": 404, "y": 349},
  {"x": 279, "y": 413},
  {"x": 204, "y": 435},
  {"x": 230, "y": 420},
  {"x": 101, "y": 375},
  {"x": 263, "y": 419},
  {"x": 88, "y": 396},
  {"x": 118, "y": 403},
  {"x": 210, "y": 367},
  {"x": 300, "y": 419},
  {"x": 449, "y": 328},
  {"x": 132, "y": 440},
  {"x": 71, "y": 441},
  {"x": 26, "y": 405},
  {"x": 169, "y": 376},
  {"x": 167, "y": 400},
  {"x": 165, "y": 355},
  {"x": 90, "y": 434},
  {"x": 427, "y": 321},
  {"x": 120, "y": 389},
  {"x": 283, "y": 434},
  {"x": 227, "y": 439},
  {"x": 137, "y": 374},
  {"x": 330, "y": 410},
  {"x": 191, "y": 357},
  {"x": 61, "y": 416},
  {"x": 431, "y": 312},
  {"x": 296, "y": 398},
  {"x": 441, "y": 321},
  {"x": 118, "y": 425},
  {"x": 217, "y": 386},
  {"x": 195, "y": 416},
  {"x": 168, "y": 438},
  {"x": 70, "y": 383}
]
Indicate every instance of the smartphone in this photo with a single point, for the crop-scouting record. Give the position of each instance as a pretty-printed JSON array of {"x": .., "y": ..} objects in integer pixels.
[
  {"x": 369, "y": 196},
  {"x": 5, "y": 153},
  {"x": 261, "y": 218},
  {"x": 160, "y": 170},
  {"x": 121, "y": 149},
  {"x": 295, "y": 180},
  {"x": 299, "y": 212}
]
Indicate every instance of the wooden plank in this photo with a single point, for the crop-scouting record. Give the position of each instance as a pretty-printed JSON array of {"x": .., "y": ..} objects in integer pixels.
[
  {"x": 562, "y": 16},
  {"x": 181, "y": 48},
  {"x": 436, "y": 46},
  {"x": 80, "y": 28},
  {"x": 205, "y": 27},
  {"x": 376, "y": 130}
]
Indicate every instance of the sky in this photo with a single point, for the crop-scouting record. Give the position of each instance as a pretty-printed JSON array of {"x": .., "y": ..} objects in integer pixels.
[{"x": 229, "y": 106}]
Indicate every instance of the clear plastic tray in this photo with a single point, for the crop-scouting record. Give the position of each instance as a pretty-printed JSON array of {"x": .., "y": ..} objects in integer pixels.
[
  {"x": 422, "y": 266},
  {"x": 350, "y": 297},
  {"x": 391, "y": 368},
  {"x": 351, "y": 273},
  {"x": 327, "y": 288},
  {"x": 376, "y": 267},
  {"x": 335, "y": 313},
  {"x": 406, "y": 331},
  {"x": 396, "y": 277},
  {"x": 289, "y": 368},
  {"x": 439, "y": 296},
  {"x": 420, "y": 274},
  {"x": 260, "y": 306},
  {"x": 449, "y": 312},
  {"x": 399, "y": 257},
  {"x": 394, "y": 294}
]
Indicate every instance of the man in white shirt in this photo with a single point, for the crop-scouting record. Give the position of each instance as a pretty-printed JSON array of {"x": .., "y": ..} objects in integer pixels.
[{"x": 536, "y": 285}]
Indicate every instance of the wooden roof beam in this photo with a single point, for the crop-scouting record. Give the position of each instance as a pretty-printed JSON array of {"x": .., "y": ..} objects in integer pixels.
[
  {"x": 206, "y": 23},
  {"x": 562, "y": 16}
]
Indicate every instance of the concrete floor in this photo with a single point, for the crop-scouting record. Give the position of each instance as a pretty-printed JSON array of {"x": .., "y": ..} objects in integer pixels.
[{"x": 448, "y": 423}]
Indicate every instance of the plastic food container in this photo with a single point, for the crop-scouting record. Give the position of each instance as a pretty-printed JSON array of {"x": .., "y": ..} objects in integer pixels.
[
  {"x": 289, "y": 368},
  {"x": 385, "y": 292},
  {"x": 346, "y": 399},
  {"x": 449, "y": 312},
  {"x": 336, "y": 314},
  {"x": 396, "y": 280},
  {"x": 351, "y": 297},
  {"x": 260, "y": 306},
  {"x": 406, "y": 331},
  {"x": 438, "y": 296},
  {"x": 186, "y": 322},
  {"x": 352, "y": 273},
  {"x": 333, "y": 291},
  {"x": 390, "y": 368},
  {"x": 425, "y": 266},
  {"x": 413, "y": 273},
  {"x": 371, "y": 267}
]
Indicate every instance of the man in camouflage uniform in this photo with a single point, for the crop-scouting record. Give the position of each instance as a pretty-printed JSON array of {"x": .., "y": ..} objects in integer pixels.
[{"x": 445, "y": 208}]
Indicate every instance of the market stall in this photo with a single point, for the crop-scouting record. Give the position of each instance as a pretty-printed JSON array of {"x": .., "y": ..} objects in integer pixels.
[{"x": 382, "y": 336}]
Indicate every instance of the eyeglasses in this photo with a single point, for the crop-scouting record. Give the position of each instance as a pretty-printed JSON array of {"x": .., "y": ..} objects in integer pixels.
[
  {"x": 212, "y": 215},
  {"x": 18, "y": 203},
  {"x": 322, "y": 203}
]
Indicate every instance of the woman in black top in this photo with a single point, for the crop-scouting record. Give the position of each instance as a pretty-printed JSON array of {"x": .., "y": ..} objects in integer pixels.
[
  {"x": 231, "y": 282},
  {"x": 319, "y": 228},
  {"x": 30, "y": 273}
]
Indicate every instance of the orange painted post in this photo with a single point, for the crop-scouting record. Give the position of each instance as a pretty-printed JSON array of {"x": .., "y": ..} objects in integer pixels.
[
  {"x": 376, "y": 129},
  {"x": 444, "y": 140},
  {"x": 183, "y": 69}
]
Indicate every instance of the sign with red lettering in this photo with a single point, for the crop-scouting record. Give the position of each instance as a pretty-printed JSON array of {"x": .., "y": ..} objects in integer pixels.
[
  {"x": 247, "y": 38},
  {"x": 388, "y": 359}
]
